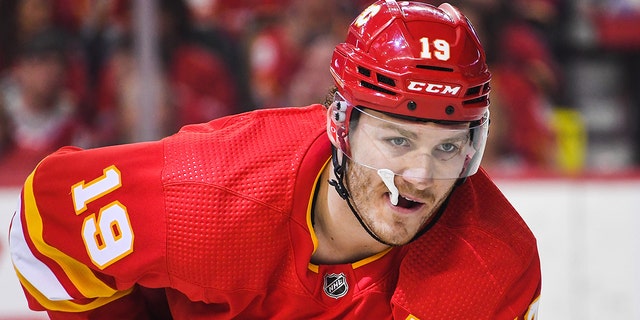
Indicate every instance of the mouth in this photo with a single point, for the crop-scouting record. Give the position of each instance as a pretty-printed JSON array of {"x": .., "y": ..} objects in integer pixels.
[{"x": 406, "y": 203}]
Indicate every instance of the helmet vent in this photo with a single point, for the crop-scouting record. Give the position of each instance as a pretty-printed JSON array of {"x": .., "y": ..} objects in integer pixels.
[
  {"x": 386, "y": 80},
  {"x": 481, "y": 99},
  {"x": 473, "y": 91},
  {"x": 364, "y": 71},
  {"x": 376, "y": 88},
  {"x": 435, "y": 68}
]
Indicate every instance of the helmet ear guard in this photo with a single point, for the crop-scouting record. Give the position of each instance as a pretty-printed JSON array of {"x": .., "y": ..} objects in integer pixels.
[{"x": 338, "y": 116}]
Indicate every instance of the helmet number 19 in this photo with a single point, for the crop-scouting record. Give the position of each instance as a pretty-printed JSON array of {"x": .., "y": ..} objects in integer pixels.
[
  {"x": 107, "y": 236},
  {"x": 438, "y": 49}
]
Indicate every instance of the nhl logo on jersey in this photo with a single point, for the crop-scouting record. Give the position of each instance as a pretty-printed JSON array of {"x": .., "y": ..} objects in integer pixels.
[{"x": 335, "y": 285}]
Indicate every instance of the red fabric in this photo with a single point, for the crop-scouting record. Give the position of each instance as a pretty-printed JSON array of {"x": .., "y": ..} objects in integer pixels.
[{"x": 219, "y": 212}]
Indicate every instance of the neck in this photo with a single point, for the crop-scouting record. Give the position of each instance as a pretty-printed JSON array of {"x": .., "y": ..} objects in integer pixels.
[{"x": 341, "y": 238}]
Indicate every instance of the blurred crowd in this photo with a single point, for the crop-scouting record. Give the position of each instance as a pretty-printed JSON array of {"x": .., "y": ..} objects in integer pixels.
[{"x": 70, "y": 72}]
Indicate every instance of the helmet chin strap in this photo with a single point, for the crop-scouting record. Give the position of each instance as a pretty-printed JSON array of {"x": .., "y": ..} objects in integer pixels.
[
  {"x": 339, "y": 168},
  {"x": 338, "y": 171}
]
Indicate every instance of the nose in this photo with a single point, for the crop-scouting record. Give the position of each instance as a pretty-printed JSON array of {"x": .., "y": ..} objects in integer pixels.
[{"x": 420, "y": 178}]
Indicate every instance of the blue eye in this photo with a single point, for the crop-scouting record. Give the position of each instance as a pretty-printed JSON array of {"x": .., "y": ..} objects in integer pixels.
[
  {"x": 448, "y": 147},
  {"x": 398, "y": 142},
  {"x": 446, "y": 151}
]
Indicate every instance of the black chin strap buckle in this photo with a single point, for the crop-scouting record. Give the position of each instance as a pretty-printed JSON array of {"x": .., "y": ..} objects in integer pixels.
[{"x": 338, "y": 171}]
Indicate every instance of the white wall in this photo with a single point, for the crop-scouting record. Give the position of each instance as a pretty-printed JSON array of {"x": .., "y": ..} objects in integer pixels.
[
  {"x": 588, "y": 238},
  {"x": 587, "y": 235}
]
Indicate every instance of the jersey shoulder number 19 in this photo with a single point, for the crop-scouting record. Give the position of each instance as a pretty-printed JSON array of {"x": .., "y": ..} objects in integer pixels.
[{"x": 107, "y": 235}]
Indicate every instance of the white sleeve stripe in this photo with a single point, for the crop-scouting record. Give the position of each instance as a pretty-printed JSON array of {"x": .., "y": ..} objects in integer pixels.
[{"x": 32, "y": 269}]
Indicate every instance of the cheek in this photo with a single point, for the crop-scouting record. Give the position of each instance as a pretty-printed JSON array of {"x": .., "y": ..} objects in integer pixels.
[
  {"x": 354, "y": 173},
  {"x": 442, "y": 188},
  {"x": 359, "y": 179}
]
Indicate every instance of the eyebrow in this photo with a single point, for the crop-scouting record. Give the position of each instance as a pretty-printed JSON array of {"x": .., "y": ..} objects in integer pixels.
[
  {"x": 403, "y": 132},
  {"x": 462, "y": 136}
]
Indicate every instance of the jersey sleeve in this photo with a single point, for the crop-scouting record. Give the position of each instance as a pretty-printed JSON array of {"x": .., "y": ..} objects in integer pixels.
[
  {"x": 89, "y": 228},
  {"x": 523, "y": 296}
]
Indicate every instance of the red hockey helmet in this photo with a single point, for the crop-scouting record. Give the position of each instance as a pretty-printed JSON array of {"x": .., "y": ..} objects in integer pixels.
[{"x": 412, "y": 60}]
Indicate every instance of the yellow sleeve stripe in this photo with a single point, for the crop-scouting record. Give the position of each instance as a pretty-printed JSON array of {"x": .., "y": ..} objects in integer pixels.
[
  {"x": 68, "y": 305},
  {"x": 80, "y": 275}
]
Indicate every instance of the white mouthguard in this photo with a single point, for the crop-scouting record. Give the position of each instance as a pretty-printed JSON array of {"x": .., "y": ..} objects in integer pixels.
[{"x": 387, "y": 177}]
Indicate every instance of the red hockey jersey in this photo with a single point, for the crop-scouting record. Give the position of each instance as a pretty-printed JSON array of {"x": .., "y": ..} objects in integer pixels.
[{"x": 217, "y": 218}]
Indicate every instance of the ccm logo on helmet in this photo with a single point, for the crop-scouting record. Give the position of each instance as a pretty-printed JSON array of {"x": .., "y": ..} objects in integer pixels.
[{"x": 443, "y": 89}]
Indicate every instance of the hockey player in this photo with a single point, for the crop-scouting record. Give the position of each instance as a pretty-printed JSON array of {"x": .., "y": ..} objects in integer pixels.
[{"x": 372, "y": 207}]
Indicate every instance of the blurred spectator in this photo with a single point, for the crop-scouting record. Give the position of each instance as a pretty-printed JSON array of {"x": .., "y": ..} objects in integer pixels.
[
  {"x": 117, "y": 98},
  {"x": 217, "y": 28},
  {"x": 320, "y": 25},
  {"x": 274, "y": 55},
  {"x": 522, "y": 78},
  {"x": 195, "y": 86},
  {"x": 20, "y": 20},
  {"x": 38, "y": 113},
  {"x": 291, "y": 42}
]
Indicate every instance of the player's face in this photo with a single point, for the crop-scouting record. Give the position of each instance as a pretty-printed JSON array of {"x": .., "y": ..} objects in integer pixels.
[{"x": 419, "y": 151}]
